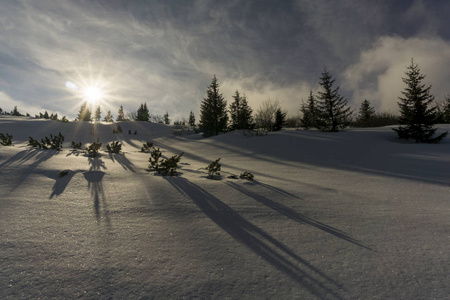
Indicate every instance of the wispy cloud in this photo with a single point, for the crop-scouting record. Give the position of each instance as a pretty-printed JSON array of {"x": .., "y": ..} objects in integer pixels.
[{"x": 166, "y": 52}]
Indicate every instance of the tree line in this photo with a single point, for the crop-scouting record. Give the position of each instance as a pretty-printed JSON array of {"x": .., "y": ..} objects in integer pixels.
[{"x": 327, "y": 110}]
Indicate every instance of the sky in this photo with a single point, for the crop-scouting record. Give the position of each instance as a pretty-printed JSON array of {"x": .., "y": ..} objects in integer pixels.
[{"x": 165, "y": 53}]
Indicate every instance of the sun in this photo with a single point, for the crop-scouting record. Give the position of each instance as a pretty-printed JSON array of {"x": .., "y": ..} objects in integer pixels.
[{"x": 93, "y": 94}]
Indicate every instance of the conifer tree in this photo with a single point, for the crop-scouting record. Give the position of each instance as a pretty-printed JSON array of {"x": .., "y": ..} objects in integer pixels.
[
  {"x": 240, "y": 113},
  {"x": 446, "y": 110},
  {"x": 142, "y": 113},
  {"x": 97, "y": 114},
  {"x": 191, "y": 119},
  {"x": 84, "y": 113},
  {"x": 418, "y": 114},
  {"x": 333, "y": 112},
  {"x": 15, "y": 112},
  {"x": 280, "y": 120},
  {"x": 213, "y": 111},
  {"x": 366, "y": 111},
  {"x": 166, "y": 118},
  {"x": 120, "y": 115},
  {"x": 108, "y": 117},
  {"x": 309, "y": 112},
  {"x": 46, "y": 116}
]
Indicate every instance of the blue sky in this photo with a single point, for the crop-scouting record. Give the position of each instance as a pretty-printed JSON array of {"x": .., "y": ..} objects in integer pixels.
[{"x": 165, "y": 53}]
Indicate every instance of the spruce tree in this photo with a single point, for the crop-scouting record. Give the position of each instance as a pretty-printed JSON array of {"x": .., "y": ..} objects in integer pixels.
[
  {"x": 240, "y": 113},
  {"x": 418, "y": 114},
  {"x": 120, "y": 115},
  {"x": 333, "y": 112},
  {"x": 166, "y": 118},
  {"x": 446, "y": 110},
  {"x": 191, "y": 120},
  {"x": 366, "y": 111},
  {"x": 142, "y": 113},
  {"x": 280, "y": 120},
  {"x": 108, "y": 117},
  {"x": 97, "y": 114},
  {"x": 84, "y": 114},
  {"x": 213, "y": 111},
  {"x": 309, "y": 112}
]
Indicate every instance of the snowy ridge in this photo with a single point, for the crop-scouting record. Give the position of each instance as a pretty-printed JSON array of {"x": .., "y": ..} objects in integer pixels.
[{"x": 348, "y": 215}]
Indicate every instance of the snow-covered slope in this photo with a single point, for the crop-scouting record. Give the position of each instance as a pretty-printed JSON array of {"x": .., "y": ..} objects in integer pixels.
[{"x": 348, "y": 215}]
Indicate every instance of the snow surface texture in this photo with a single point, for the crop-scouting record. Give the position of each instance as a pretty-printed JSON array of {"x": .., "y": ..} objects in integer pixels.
[{"x": 350, "y": 215}]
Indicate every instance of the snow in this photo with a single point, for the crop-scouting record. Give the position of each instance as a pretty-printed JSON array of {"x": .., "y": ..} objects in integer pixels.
[{"x": 349, "y": 215}]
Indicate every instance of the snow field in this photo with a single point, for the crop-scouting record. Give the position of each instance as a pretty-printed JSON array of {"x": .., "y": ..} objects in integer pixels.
[{"x": 347, "y": 215}]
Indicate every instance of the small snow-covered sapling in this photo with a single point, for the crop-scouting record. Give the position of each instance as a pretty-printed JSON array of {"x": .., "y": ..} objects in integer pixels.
[{"x": 214, "y": 168}]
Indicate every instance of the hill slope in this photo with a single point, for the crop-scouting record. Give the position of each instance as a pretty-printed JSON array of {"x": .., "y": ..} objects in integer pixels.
[{"x": 347, "y": 215}]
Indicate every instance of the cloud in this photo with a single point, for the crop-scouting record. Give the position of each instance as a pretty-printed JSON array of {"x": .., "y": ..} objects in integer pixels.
[{"x": 377, "y": 75}]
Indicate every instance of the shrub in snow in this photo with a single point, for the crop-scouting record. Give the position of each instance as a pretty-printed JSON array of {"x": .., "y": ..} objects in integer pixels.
[
  {"x": 165, "y": 166},
  {"x": 247, "y": 175},
  {"x": 169, "y": 166},
  {"x": 147, "y": 147},
  {"x": 155, "y": 155},
  {"x": 214, "y": 168},
  {"x": 6, "y": 139},
  {"x": 76, "y": 146},
  {"x": 94, "y": 148},
  {"x": 54, "y": 142},
  {"x": 114, "y": 147}
]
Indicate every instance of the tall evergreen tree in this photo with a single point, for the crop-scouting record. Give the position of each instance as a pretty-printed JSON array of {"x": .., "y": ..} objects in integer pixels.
[
  {"x": 166, "y": 118},
  {"x": 108, "y": 117},
  {"x": 97, "y": 114},
  {"x": 120, "y": 115},
  {"x": 280, "y": 120},
  {"x": 366, "y": 111},
  {"x": 240, "y": 113},
  {"x": 333, "y": 112},
  {"x": 213, "y": 111},
  {"x": 191, "y": 119},
  {"x": 446, "y": 110},
  {"x": 84, "y": 114},
  {"x": 309, "y": 112},
  {"x": 418, "y": 114},
  {"x": 142, "y": 113}
]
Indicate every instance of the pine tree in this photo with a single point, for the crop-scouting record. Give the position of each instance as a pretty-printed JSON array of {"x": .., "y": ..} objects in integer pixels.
[
  {"x": 366, "y": 111},
  {"x": 333, "y": 111},
  {"x": 15, "y": 112},
  {"x": 191, "y": 120},
  {"x": 309, "y": 112},
  {"x": 280, "y": 120},
  {"x": 97, "y": 114},
  {"x": 142, "y": 113},
  {"x": 418, "y": 114},
  {"x": 46, "y": 116},
  {"x": 108, "y": 117},
  {"x": 84, "y": 114},
  {"x": 446, "y": 110},
  {"x": 213, "y": 111},
  {"x": 120, "y": 115},
  {"x": 240, "y": 113},
  {"x": 166, "y": 118}
]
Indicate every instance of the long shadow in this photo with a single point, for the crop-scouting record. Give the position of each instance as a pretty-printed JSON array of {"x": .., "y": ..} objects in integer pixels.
[
  {"x": 261, "y": 243},
  {"x": 296, "y": 216},
  {"x": 94, "y": 178},
  {"x": 24, "y": 156},
  {"x": 123, "y": 161},
  {"x": 61, "y": 183}
]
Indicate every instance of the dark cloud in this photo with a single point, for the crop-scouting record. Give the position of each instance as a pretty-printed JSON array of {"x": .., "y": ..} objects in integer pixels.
[{"x": 165, "y": 52}]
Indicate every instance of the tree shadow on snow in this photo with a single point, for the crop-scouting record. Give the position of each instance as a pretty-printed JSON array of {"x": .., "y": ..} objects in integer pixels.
[
  {"x": 123, "y": 161},
  {"x": 261, "y": 243},
  {"x": 39, "y": 156},
  {"x": 294, "y": 215},
  {"x": 94, "y": 178}
]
